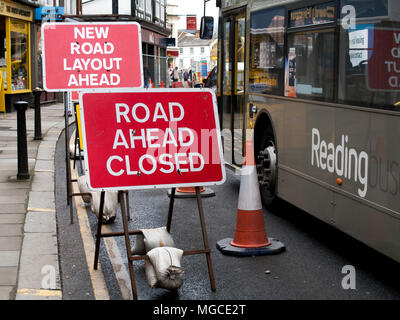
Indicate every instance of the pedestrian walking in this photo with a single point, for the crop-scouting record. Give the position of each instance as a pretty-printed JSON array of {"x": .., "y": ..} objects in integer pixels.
[{"x": 146, "y": 76}]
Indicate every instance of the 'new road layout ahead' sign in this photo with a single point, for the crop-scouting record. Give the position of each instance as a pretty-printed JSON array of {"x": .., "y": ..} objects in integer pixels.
[{"x": 91, "y": 56}]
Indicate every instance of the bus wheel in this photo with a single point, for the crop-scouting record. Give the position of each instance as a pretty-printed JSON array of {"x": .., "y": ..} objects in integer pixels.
[{"x": 267, "y": 171}]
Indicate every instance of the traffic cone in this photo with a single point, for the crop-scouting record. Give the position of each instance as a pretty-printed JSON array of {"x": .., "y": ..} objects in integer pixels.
[
  {"x": 250, "y": 237},
  {"x": 162, "y": 84},
  {"x": 190, "y": 192}
]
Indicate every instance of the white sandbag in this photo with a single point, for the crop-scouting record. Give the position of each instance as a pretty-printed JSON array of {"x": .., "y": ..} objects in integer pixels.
[
  {"x": 110, "y": 205},
  {"x": 72, "y": 145},
  {"x": 138, "y": 246},
  {"x": 150, "y": 272},
  {"x": 152, "y": 238},
  {"x": 158, "y": 237},
  {"x": 166, "y": 264},
  {"x": 83, "y": 188}
]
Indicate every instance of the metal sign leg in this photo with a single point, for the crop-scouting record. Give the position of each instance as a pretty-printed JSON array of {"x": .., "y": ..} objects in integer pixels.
[
  {"x": 98, "y": 235},
  {"x": 128, "y": 244},
  {"x": 171, "y": 208},
  {"x": 205, "y": 239},
  {"x": 67, "y": 161}
]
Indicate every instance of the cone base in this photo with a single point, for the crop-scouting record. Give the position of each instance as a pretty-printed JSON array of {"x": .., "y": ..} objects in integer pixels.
[
  {"x": 225, "y": 247},
  {"x": 205, "y": 194}
]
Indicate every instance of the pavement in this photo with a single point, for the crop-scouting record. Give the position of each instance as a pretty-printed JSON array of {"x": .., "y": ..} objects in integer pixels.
[{"x": 29, "y": 267}]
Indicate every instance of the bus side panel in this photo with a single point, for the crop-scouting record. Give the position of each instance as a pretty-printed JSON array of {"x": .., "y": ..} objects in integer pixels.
[
  {"x": 341, "y": 165},
  {"x": 375, "y": 228},
  {"x": 304, "y": 194}
]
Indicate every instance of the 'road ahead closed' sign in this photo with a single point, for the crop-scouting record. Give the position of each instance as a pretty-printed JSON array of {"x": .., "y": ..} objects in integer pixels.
[
  {"x": 91, "y": 56},
  {"x": 151, "y": 139}
]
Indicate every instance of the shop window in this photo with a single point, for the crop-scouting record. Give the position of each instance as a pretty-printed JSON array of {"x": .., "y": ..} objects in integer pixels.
[
  {"x": 19, "y": 45},
  {"x": 309, "y": 71},
  {"x": 3, "y": 51},
  {"x": 266, "y": 51}
]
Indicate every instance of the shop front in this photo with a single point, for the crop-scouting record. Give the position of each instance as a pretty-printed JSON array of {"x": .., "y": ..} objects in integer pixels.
[
  {"x": 155, "y": 58},
  {"x": 16, "y": 25}
]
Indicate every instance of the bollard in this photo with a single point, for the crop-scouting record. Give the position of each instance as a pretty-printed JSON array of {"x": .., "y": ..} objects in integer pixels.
[
  {"x": 23, "y": 169},
  {"x": 38, "y": 121}
]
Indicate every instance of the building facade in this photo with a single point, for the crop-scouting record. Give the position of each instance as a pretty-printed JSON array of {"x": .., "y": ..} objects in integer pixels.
[{"x": 195, "y": 54}]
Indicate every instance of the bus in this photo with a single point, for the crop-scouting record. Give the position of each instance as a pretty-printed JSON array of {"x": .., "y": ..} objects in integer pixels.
[{"x": 316, "y": 85}]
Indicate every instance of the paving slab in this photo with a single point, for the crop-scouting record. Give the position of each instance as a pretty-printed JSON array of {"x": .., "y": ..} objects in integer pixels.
[
  {"x": 5, "y": 292},
  {"x": 46, "y": 153},
  {"x": 9, "y": 258},
  {"x": 41, "y": 200},
  {"x": 39, "y": 272},
  {"x": 37, "y": 222},
  {"x": 47, "y": 165},
  {"x": 10, "y": 243},
  {"x": 11, "y": 229},
  {"x": 36, "y": 244},
  {"x": 8, "y": 276},
  {"x": 12, "y": 208},
  {"x": 12, "y": 218},
  {"x": 43, "y": 181}
]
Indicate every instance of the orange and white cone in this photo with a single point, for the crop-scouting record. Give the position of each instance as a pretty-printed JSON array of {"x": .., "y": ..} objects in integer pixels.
[
  {"x": 250, "y": 237},
  {"x": 190, "y": 192}
]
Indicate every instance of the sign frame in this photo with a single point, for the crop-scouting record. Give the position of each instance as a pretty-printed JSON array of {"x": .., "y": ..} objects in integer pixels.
[
  {"x": 153, "y": 186},
  {"x": 90, "y": 24}
]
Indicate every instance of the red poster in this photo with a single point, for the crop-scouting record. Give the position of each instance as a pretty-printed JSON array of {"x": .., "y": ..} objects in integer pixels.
[
  {"x": 91, "y": 56},
  {"x": 151, "y": 139},
  {"x": 384, "y": 63}
]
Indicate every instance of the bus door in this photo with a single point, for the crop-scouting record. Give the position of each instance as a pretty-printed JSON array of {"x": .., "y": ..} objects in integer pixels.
[{"x": 233, "y": 85}]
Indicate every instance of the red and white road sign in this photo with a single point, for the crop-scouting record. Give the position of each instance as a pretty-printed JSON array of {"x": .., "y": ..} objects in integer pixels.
[
  {"x": 156, "y": 138},
  {"x": 384, "y": 63},
  {"x": 91, "y": 55}
]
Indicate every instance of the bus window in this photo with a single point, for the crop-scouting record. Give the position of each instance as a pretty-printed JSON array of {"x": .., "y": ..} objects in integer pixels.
[
  {"x": 309, "y": 70},
  {"x": 369, "y": 58},
  {"x": 266, "y": 51}
]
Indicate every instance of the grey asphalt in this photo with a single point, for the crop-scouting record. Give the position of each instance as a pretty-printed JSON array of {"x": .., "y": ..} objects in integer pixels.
[{"x": 310, "y": 268}]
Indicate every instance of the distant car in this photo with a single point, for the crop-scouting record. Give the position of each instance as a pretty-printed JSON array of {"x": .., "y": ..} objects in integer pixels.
[{"x": 211, "y": 80}]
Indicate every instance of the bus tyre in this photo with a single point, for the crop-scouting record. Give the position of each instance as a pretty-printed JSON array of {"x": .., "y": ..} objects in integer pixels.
[{"x": 267, "y": 170}]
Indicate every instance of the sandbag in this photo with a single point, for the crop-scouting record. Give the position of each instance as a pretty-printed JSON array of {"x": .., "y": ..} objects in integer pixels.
[
  {"x": 72, "y": 145},
  {"x": 152, "y": 238},
  {"x": 110, "y": 205},
  {"x": 163, "y": 268},
  {"x": 138, "y": 246},
  {"x": 83, "y": 188}
]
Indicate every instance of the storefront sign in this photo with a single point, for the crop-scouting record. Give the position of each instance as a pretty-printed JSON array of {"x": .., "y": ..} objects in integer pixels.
[
  {"x": 172, "y": 53},
  {"x": 16, "y": 10},
  {"x": 151, "y": 139},
  {"x": 91, "y": 56},
  {"x": 49, "y": 13},
  {"x": 384, "y": 63},
  {"x": 323, "y": 13}
]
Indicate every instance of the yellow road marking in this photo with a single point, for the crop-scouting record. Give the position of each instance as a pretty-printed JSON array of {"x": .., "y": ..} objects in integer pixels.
[
  {"x": 96, "y": 276},
  {"x": 41, "y": 293},
  {"x": 41, "y": 209}
]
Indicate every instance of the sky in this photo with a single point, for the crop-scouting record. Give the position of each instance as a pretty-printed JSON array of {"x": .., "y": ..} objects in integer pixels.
[{"x": 197, "y": 7}]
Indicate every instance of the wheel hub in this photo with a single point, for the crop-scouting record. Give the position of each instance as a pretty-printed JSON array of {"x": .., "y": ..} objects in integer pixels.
[{"x": 266, "y": 167}]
